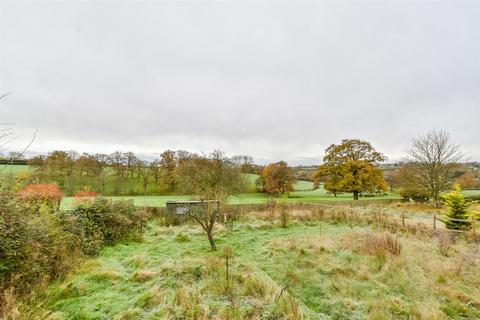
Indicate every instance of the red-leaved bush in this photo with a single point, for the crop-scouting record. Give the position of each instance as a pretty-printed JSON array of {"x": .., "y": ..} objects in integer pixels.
[
  {"x": 85, "y": 194},
  {"x": 41, "y": 196}
]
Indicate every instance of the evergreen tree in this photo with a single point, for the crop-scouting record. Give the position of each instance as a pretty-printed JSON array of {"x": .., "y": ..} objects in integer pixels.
[{"x": 457, "y": 209}]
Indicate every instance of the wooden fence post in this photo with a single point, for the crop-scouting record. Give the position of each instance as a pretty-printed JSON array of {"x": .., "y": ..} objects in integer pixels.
[
  {"x": 434, "y": 221},
  {"x": 474, "y": 226},
  {"x": 403, "y": 219}
]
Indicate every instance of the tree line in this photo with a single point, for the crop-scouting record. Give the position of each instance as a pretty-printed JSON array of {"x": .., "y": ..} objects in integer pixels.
[
  {"x": 433, "y": 164},
  {"x": 119, "y": 173}
]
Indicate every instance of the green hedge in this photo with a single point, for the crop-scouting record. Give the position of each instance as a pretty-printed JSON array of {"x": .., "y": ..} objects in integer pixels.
[
  {"x": 101, "y": 221},
  {"x": 417, "y": 195},
  {"x": 36, "y": 248}
]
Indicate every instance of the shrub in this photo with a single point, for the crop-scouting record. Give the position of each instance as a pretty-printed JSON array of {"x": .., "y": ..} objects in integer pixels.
[
  {"x": 14, "y": 233},
  {"x": 37, "y": 248},
  {"x": 101, "y": 221},
  {"x": 457, "y": 210},
  {"x": 415, "y": 194},
  {"x": 85, "y": 194},
  {"x": 33, "y": 248},
  {"x": 41, "y": 197}
]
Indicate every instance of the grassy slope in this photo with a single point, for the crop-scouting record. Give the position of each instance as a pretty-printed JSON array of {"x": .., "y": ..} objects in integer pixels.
[{"x": 173, "y": 269}]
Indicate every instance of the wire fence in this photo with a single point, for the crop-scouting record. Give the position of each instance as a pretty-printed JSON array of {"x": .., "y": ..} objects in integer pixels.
[{"x": 470, "y": 225}]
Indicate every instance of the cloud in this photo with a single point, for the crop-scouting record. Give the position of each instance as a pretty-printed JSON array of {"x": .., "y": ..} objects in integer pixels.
[{"x": 273, "y": 80}]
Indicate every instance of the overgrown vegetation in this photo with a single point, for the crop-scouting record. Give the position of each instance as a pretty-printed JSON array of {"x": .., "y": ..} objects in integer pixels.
[
  {"x": 413, "y": 193},
  {"x": 336, "y": 263},
  {"x": 41, "y": 198},
  {"x": 99, "y": 222},
  {"x": 37, "y": 247}
]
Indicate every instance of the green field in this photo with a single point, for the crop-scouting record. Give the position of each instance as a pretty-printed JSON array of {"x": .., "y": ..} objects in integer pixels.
[
  {"x": 312, "y": 270},
  {"x": 7, "y": 169},
  {"x": 299, "y": 186},
  {"x": 247, "y": 198},
  {"x": 472, "y": 193}
]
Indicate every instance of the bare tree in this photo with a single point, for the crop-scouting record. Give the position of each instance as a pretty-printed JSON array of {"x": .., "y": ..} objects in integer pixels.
[
  {"x": 7, "y": 137},
  {"x": 245, "y": 163},
  {"x": 213, "y": 177},
  {"x": 207, "y": 216},
  {"x": 432, "y": 161},
  {"x": 130, "y": 164},
  {"x": 101, "y": 162},
  {"x": 154, "y": 168},
  {"x": 143, "y": 171},
  {"x": 117, "y": 162}
]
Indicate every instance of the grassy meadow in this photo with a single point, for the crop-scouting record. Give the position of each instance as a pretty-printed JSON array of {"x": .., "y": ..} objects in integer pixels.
[
  {"x": 247, "y": 198},
  {"x": 317, "y": 268}
]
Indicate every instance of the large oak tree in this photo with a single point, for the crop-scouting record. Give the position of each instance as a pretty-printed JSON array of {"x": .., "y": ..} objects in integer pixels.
[{"x": 352, "y": 166}]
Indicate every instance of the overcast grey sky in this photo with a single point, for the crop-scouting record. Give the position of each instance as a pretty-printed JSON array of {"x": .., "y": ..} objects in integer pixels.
[{"x": 272, "y": 80}]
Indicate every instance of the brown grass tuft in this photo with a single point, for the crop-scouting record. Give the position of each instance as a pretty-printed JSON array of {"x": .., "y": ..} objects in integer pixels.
[
  {"x": 376, "y": 244},
  {"x": 143, "y": 275}
]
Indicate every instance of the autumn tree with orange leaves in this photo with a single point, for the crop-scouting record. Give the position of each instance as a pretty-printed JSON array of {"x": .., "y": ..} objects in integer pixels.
[{"x": 278, "y": 178}]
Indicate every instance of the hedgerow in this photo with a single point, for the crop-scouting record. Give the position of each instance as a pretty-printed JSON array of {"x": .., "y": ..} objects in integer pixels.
[
  {"x": 101, "y": 221},
  {"x": 37, "y": 247}
]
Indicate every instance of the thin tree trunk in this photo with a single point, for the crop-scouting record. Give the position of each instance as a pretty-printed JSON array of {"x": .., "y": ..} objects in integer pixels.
[
  {"x": 212, "y": 242},
  {"x": 436, "y": 199}
]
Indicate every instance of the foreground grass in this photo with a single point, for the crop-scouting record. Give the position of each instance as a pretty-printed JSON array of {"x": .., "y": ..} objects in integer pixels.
[{"x": 311, "y": 270}]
